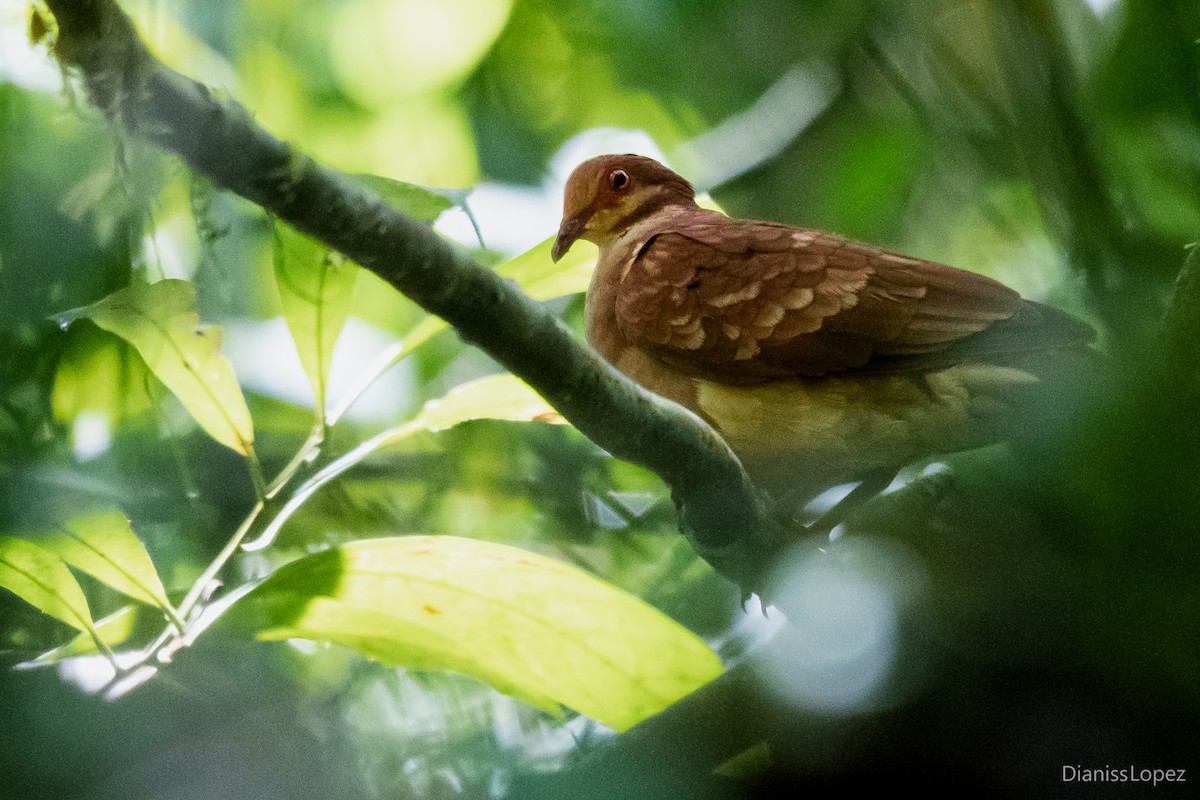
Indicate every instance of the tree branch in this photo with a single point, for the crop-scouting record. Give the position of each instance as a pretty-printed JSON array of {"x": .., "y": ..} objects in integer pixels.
[{"x": 719, "y": 508}]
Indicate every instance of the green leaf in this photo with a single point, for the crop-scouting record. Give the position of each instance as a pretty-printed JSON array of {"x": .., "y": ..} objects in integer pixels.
[
  {"x": 422, "y": 332},
  {"x": 543, "y": 279},
  {"x": 502, "y": 396},
  {"x": 536, "y": 628},
  {"x": 112, "y": 630},
  {"x": 160, "y": 320},
  {"x": 425, "y": 204},
  {"x": 40, "y": 578},
  {"x": 99, "y": 372},
  {"x": 419, "y": 202},
  {"x": 534, "y": 272},
  {"x": 104, "y": 546},
  {"x": 316, "y": 287}
]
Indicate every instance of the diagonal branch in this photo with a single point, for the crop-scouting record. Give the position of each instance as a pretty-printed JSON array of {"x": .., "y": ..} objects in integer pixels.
[{"x": 719, "y": 509}]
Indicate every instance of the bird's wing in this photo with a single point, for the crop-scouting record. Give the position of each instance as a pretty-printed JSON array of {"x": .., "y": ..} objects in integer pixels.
[{"x": 743, "y": 301}]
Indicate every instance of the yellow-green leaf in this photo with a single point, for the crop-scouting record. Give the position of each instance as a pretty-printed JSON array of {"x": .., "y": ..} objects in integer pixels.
[
  {"x": 113, "y": 630},
  {"x": 160, "y": 320},
  {"x": 420, "y": 333},
  {"x": 39, "y": 25},
  {"x": 543, "y": 279},
  {"x": 500, "y": 396},
  {"x": 534, "y": 272},
  {"x": 536, "y": 628},
  {"x": 40, "y": 578},
  {"x": 419, "y": 202},
  {"x": 316, "y": 287},
  {"x": 99, "y": 372},
  {"x": 104, "y": 546}
]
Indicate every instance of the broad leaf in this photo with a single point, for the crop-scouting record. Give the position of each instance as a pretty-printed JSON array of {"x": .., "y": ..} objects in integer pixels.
[
  {"x": 543, "y": 279},
  {"x": 104, "y": 546},
  {"x": 420, "y": 333},
  {"x": 40, "y": 578},
  {"x": 113, "y": 630},
  {"x": 536, "y": 628},
  {"x": 99, "y": 372},
  {"x": 419, "y": 202},
  {"x": 316, "y": 287},
  {"x": 501, "y": 396},
  {"x": 534, "y": 272},
  {"x": 160, "y": 320},
  {"x": 422, "y": 203}
]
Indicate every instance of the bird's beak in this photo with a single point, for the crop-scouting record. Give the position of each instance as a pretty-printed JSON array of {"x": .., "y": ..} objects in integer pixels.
[{"x": 570, "y": 230}]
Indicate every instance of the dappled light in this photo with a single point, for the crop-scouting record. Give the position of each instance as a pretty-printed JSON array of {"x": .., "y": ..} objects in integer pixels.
[{"x": 270, "y": 528}]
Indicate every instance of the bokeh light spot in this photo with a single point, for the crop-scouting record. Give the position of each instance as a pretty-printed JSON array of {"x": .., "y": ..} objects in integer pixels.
[{"x": 384, "y": 50}]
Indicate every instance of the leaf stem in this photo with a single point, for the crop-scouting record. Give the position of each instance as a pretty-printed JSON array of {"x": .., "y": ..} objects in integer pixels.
[
  {"x": 387, "y": 358},
  {"x": 102, "y": 646},
  {"x": 305, "y": 455},
  {"x": 153, "y": 391},
  {"x": 257, "y": 477},
  {"x": 173, "y": 617},
  {"x": 198, "y": 587},
  {"x": 328, "y": 473}
]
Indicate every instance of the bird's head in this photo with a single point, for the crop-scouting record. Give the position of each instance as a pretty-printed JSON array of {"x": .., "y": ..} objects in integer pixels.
[{"x": 607, "y": 194}]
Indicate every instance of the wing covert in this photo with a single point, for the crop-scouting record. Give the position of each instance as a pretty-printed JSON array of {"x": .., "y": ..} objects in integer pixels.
[{"x": 743, "y": 302}]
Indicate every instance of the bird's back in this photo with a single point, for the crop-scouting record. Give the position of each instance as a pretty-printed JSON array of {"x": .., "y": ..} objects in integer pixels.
[
  {"x": 798, "y": 434},
  {"x": 820, "y": 359}
]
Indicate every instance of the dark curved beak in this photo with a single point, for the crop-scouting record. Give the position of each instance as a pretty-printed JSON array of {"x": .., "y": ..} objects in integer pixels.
[{"x": 570, "y": 230}]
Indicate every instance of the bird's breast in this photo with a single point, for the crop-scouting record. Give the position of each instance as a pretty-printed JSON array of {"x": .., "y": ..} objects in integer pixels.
[{"x": 800, "y": 436}]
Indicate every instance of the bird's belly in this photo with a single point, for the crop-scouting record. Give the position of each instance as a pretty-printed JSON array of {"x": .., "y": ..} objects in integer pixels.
[{"x": 799, "y": 437}]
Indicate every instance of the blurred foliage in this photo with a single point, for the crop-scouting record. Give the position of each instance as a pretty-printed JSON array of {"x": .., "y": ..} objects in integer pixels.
[{"x": 1045, "y": 612}]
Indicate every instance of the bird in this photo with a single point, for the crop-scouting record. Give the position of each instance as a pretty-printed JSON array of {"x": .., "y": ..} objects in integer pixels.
[{"x": 820, "y": 360}]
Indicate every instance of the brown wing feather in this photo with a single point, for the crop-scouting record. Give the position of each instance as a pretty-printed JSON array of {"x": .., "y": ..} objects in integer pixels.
[{"x": 744, "y": 302}]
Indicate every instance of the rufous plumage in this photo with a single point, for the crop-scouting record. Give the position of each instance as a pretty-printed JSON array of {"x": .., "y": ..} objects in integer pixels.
[{"x": 820, "y": 360}]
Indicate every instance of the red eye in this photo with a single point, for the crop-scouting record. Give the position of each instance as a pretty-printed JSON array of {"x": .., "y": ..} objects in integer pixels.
[{"x": 619, "y": 179}]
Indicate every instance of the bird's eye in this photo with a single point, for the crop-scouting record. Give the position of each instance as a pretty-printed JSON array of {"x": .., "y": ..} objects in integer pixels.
[{"x": 619, "y": 179}]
